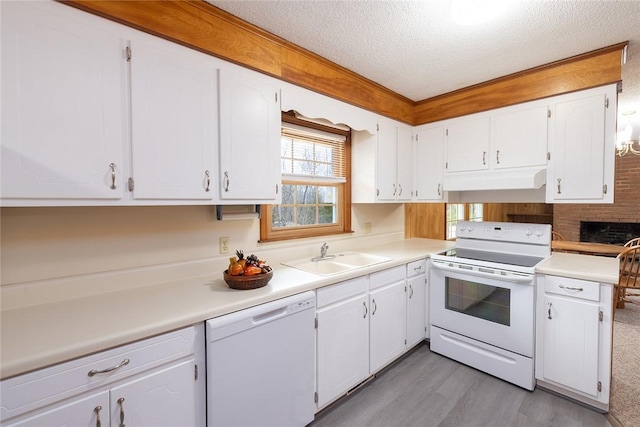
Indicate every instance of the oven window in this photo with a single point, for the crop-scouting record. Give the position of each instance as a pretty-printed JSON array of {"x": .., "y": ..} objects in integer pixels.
[{"x": 478, "y": 300}]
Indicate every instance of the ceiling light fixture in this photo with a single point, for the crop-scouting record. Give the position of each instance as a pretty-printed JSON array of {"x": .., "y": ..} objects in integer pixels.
[
  {"x": 471, "y": 12},
  {"x": 624, "y": 143}
]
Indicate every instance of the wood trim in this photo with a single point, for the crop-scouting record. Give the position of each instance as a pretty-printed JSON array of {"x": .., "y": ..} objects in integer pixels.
[
  {"x": 588, "y": 70},
  {"x": 199, "y": 25}
]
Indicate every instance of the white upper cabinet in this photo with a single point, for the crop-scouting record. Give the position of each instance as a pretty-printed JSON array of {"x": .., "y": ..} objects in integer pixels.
[
  {"x": 519, "y": 136},
  {"x": 386, "y": 160},
  {"x": 468, "y": 144},
  {"x": 382, "y": 165},
  {"x": 429, "y": 163},
  {"x": 62, "y": 101},
  {"x": 404, "y": 164},
  {"x": 249, "y": 169},
  {"x": 173, "y": 100},
  {"x": 582, "y": 147}
]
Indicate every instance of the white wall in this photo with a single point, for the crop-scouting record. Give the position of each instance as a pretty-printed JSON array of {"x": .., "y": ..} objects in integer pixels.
[{"x": 49, "y": 243}]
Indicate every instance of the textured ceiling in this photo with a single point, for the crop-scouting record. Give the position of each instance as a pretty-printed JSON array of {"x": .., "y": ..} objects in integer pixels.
[{"x": 416, "y": 49}]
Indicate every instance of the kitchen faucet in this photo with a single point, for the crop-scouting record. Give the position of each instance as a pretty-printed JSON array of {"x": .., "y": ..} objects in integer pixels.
[{"x": 323, "y": 253}]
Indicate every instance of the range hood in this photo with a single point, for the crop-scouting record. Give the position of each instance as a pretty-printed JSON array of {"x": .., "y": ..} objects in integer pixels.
[{"x": 532, "y": 178}]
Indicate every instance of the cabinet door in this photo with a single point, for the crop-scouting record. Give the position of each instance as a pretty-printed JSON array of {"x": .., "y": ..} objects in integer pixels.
[
  {"x": 249, "y": 139},
  {"x": 429, "y": 164},
  {"x": 468, "y": 144},
  {"x": 570, "y": 343},
  {"x": 519, "y": 137},
  {"x": 82, "y": 412},
  {"x": 62, "y": 102},
  {"x": 161, "y": 398},
  {"x": 416, "y": 309},
  {"x": 386, "y": 161},
  {"x": 173, "y": 95},
  {"x": 343, "y": 347},
  {"x": 388, "y": 324},
  {"x": 404, "y": 166},
  {"x": 577, "y": 150}
]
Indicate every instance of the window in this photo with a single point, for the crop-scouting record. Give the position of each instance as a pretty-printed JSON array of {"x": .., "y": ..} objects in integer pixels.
[
  {"x": 315, "y": 183},
  {"x": 461, "y": 212}
]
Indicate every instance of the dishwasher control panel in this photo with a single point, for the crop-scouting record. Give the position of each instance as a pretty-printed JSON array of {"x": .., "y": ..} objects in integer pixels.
[{"x": 301, "y": 305}]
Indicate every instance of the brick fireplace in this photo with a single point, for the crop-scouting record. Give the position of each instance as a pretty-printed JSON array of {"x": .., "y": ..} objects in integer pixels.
[{"x": 625, "y": 209}]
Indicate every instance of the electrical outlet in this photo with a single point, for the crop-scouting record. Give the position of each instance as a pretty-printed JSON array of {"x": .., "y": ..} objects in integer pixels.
[
  {"x": 224, "y": 245},
  {"x": 367, "y": 228}
]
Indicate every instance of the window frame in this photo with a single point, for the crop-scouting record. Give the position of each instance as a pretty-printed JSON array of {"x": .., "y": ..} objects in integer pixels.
[
  {"x": 269, "y": 234},
  {"x": 466, "y": 209}
]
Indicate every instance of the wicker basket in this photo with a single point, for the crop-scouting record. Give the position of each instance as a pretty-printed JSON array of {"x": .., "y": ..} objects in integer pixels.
[{"x": 247, "y": 282}]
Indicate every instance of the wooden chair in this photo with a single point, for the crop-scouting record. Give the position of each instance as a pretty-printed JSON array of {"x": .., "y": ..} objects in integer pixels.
[
  {"x": 629, "y": 277},
  {"x": 633, "y": 242},
  {"x": 556, "y": 236}
]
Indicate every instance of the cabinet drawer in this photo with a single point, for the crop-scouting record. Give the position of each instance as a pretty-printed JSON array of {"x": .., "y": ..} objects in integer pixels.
[
  {"x": 339, "y": 291},
  {"x": 385, "y": 277},
  {"x": 416, "y": 267},
  {"x": 574, "y": 288},
  {"x": 36, "y": 389}
]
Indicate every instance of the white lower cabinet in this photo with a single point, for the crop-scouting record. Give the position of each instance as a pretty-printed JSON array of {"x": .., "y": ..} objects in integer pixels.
[
  {"x": 151, "y": 382},
  {"x": 342, "y": 338},
  {"x": 366, "y": 323},
  {"x": 417, "y": 304},
  {"x": 573, "y": 349},
  {"x": 387, "y": 325}
]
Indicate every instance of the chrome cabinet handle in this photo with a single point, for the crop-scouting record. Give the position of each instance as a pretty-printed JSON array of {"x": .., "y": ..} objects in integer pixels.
[
  {"x": 113, "y": 176},
  {"x": 498, "y": 157},
  {"x": 111, "y": 369},
  {"x": 120, "y": 402},
  {"x": 439, "y": 193},
  {"x": 364, "y": 304},
  {"x": 226, "y": 181},
  {"x": 375, "y": 307},
  {"x": 484, "y": 157},
  {"x": 394, "y": 189},
  {"x": 411, "y": 289},
  {"x": 549, "y": 311},
  {"x": 400, "y": 187},
  {"x": 559, "y": 180},
  {"x": 277, "y": 189},
  {"x": 570, "y": 288},
  {"x": 207, "y": 180},
  {"x": 97, "y": 410}
]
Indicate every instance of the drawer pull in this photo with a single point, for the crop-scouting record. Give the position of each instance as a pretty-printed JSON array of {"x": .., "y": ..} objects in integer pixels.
[
  {"x": 97, "y": 410},
  {"x": 570, "y": 288},
  {"x": 113, "y": 368},
  {"x": 549, "y": 311}
]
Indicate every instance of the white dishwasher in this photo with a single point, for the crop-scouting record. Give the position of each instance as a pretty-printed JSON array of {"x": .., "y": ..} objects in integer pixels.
[{"x": 261, "y": 365}]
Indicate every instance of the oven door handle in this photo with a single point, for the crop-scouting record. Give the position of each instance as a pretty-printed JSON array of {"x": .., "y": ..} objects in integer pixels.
[{"x": 509, "y": 278}]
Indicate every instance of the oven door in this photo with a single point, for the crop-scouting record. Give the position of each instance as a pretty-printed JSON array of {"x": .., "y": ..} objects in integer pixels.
[{"x": 495, "y": 308}]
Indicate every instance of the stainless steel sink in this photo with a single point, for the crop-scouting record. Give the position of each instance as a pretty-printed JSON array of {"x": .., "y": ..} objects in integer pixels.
[{"x": 338, "y": 263}]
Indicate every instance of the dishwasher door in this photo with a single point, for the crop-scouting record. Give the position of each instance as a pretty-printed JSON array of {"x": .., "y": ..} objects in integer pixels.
[{"x": 261, "y": 365}]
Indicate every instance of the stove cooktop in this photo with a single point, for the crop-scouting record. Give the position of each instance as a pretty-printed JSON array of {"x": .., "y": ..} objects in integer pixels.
[{"x": 494, "y": 257}]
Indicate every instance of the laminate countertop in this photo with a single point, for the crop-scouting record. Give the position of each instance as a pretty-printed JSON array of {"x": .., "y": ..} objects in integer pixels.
[{"x": 41, "y": 335}]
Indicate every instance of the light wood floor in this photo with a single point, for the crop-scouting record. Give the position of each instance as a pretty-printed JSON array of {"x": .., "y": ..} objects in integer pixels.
[{"x": 426, "y": 389}]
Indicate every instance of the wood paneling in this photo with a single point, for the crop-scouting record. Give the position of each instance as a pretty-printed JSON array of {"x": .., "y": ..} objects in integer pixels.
[
  {"x": 424, "y": 220},
  {"x": 581, "y": 72},
  {"x": 533, "y": 212},
  {"x": 201, "y": 26}
]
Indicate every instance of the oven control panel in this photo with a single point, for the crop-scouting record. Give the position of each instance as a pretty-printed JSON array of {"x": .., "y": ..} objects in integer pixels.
[{"x": 505, "y": 231}]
